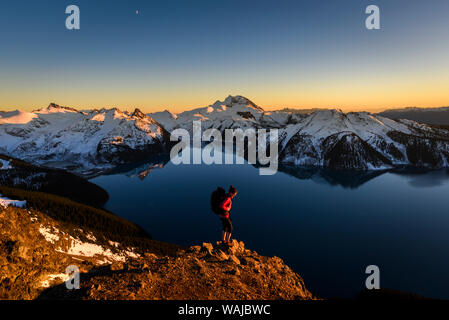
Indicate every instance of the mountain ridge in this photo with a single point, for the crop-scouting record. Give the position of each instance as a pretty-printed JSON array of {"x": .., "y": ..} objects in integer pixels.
[{"x": 98, "y": 140}]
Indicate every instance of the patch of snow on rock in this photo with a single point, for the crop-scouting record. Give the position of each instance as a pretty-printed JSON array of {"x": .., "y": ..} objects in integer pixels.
[
  {"x": 48, "y": 235},
  {"x": 52, "y": 277},
  {"x": 5, "y": 202},
  {"x": 92, "y": 250}
]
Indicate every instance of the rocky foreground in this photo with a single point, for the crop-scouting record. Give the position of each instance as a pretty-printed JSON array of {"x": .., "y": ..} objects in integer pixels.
[
  {"x": 35, "y": 251},
  {"x": 199, "y": 273}
]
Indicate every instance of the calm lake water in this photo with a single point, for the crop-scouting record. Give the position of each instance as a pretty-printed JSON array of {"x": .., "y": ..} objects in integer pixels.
[{"x": 327, "y": 225}]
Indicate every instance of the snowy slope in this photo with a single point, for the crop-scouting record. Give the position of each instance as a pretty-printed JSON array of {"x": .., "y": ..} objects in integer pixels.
[
  {"x": 5, "y": 202},
  {"x": 16, "y": 117}
]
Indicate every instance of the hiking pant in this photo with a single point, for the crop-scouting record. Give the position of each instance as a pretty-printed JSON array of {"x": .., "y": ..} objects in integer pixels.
[{"x": 227, "y": 224}]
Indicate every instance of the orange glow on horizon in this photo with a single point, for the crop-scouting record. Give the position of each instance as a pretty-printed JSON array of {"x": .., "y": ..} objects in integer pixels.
[
  {"x": 331, "y": 94},
  {"x": 269, "y": 105}
]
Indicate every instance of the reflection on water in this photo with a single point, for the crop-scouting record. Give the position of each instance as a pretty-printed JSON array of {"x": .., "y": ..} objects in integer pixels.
[
  {"x": 141, "y": 169},
  {"x": 352, "y": 179},
  {"x": 345, "y": 178}
]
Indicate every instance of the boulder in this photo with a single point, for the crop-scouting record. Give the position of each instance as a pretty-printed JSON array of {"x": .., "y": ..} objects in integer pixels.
[
  {"x": 207, "y": 247},
  {"x": 232, "y": 258},
  {"x": 220, "y": 255}
]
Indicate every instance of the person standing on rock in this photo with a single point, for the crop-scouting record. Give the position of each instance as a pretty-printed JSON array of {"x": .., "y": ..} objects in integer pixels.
[{"x": 225, "y": 217}]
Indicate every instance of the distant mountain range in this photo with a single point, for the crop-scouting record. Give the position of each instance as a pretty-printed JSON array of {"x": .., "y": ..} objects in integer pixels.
[
  {"x": 96, "y": 140},
  {"x": 437, "y": 116}
]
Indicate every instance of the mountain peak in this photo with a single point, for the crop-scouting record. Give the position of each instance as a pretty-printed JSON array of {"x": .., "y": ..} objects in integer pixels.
[
  {"x": 138, "y": 114},
  {"x": 240, "y": 100},
  {"x": 53, "y": 107}
]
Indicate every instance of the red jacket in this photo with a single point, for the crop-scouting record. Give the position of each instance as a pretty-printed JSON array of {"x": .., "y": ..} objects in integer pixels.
[{"x": 226, "y": 205}]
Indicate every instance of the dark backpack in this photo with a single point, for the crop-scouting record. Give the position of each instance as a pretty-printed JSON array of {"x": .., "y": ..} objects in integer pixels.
[{"x": 216, "y": 199}]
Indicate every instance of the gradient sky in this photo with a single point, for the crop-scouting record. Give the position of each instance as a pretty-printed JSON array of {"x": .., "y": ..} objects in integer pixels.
[{"x": 178, "y": 55}]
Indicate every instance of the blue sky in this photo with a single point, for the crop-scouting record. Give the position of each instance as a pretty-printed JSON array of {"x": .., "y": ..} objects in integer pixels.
[{"x": 182, "y": 54}]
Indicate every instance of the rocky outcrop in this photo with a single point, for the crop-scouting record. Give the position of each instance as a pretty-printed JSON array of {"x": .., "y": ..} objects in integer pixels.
[
  {"x": 27, "y": 260},
  {"x": 35, "y": 251},
  {"x": 199, "y": 273}
]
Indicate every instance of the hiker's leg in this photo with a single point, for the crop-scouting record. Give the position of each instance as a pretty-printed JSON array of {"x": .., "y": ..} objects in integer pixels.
[
  {"x": 228, "y": 236},
  {"x": 223, "y": 233}
]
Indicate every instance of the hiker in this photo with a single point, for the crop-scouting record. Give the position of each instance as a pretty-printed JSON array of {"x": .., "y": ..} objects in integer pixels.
[{"x": 221, "y": 204}]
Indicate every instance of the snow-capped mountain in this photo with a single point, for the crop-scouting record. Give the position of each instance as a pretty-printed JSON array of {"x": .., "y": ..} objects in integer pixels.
[
  {"x": 98, "y": 139},
  {"x": 360, "y": 140},
  {"x": 327, "y": 138},
  {"x": 80, "y": 140},
  {"x": 233, "y": 112}
]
